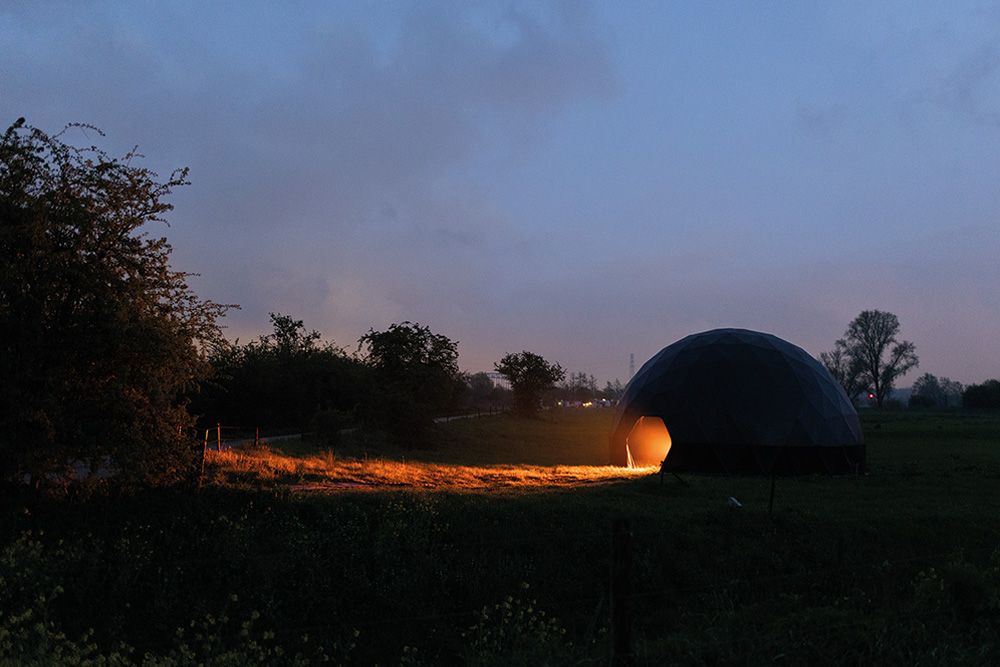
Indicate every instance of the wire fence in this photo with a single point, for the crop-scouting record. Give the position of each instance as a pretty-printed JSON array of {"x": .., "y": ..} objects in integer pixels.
[
  {"x": 224, "y": 437},
  {"x": 599, "y": 603}
]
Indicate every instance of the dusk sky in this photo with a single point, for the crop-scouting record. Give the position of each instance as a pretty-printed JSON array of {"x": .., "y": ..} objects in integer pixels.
[{"x": 578, "y": 180}]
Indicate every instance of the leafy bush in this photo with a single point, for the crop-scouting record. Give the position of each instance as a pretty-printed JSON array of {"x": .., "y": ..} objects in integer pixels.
[
  {"x": 516, "y": 632},
  {"x": 281, "y": 380},
  {"x": 102, "y": 338}
]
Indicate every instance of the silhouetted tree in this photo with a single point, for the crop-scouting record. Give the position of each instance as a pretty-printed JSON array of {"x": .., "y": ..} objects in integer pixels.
[
  {"x": 613, "y": 390},
  {"x": 870, "y": 341},
  {"x": 983, "y": 396},
  {"x": 101, "y": 338},
  {"x": 282, "y": 380},
  {"x": 579, "y": 387},
  {"x": 930, "y": 392},
  {"x": 530, "y": 375},
  {"x": 480, "y": 388},
  {"x": 415, "y": 377},
  {"x": 952, "y": 391},
  {"x": 845, "y": 369},
  {"x": 484, "y": 394}
]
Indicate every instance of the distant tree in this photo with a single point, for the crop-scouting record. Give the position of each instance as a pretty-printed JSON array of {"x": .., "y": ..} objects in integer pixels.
[
  {"x": 282, "y": 380},
  {"x": 845, "y": 369},
  {"x": 952, "y": 392},
  {"x": 613, "y": 391},
  {"x": 484, "y": 394},
  {"x": 926, "y": 392},
  {"x": 982, "y": 396},
  {"x": 930, "y": 392},
  {"x": 579, "y": 387},
  {"x": 415, "y": 377},
  {"x": 289, "y": 336},
  {"x": 480, "y": 388},
  {"x": 871, "y": 341},
  {"x": 530, "y": 375},
  {"x": 101, "y": 337}
]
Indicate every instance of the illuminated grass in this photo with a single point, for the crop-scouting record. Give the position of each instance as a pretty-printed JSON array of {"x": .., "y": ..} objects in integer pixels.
[
  {"x": 564, "y": 449},
  {"x": 323, "y": 472}
]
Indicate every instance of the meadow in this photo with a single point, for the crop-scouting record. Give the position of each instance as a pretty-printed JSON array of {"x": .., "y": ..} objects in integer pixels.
[{"x": 493, "y": 547}]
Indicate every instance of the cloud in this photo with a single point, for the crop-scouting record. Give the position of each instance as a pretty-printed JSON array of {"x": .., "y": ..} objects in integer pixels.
[
  {"x": 356, "y": 166},
  {"x": 972, "y": 87},
  {"x": 497, "y": 171},
  {"x": 818, "y": 119}
]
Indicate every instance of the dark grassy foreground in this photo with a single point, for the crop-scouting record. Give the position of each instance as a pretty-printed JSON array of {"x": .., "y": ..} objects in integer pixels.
[{"x": 899, "y": 566}]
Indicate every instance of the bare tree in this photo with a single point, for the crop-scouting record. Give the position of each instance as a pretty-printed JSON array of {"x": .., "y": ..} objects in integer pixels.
[
  {"x": 871, "y": 340},
  {"x": 844, "y": 368}
]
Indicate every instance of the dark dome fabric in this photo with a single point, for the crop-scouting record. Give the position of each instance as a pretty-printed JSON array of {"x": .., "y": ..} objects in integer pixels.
[{"x": 741, "y": 401}]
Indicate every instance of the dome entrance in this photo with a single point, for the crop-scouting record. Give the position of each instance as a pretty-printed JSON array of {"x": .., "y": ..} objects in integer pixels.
[{"x": 648, "y": 443}]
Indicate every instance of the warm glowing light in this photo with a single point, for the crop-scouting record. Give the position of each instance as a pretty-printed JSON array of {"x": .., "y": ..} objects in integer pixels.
[
  {"x": 323, "y": 473},
  {"x": 648, "y": 442}
]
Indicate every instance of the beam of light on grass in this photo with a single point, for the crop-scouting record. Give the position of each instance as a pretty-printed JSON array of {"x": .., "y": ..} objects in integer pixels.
[{"x": 324, "y": 472}]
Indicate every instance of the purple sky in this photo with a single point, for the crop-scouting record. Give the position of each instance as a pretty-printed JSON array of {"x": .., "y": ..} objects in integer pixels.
[{"x": 576, "y": 180}]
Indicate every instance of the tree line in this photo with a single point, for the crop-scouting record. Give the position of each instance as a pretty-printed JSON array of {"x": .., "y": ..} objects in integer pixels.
[
  {"x": 869, "y": 359},
  {"x": 109, "y": 358}
]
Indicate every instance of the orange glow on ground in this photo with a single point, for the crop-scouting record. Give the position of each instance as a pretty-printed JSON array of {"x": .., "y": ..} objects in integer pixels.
[
  {"x": 325, "y": 473},
  {"x": 648, "y": 442}
]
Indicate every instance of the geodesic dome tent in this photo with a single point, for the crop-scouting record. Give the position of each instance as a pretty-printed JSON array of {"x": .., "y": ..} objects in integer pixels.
[{"x": 737, "y": 401}]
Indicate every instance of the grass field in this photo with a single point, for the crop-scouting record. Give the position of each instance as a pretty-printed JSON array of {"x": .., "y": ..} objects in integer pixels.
[{"x": 493, "y": 547}]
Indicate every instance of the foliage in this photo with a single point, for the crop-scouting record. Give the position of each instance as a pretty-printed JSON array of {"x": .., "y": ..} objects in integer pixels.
[
  {"x": 870, "y": 348},
  {"x": 530, "y": 375},
  {"x": 484, "y": 395},
  {"x": 282, "y": 379},
  {"x": 415, "y": 377},
  {"x": 613, "y": 390},
  {"x": 985, "y": 395},
  {"x": 819, "y": 581},
  {"x": 29, "y": 634},
  {"x": 516, "y": 632},
  {"x": 578, "y": 387},
  {"x": 845, "y": 369},
  {"x": 930, "y": 392},
  {"x": 101, "y": 337}
]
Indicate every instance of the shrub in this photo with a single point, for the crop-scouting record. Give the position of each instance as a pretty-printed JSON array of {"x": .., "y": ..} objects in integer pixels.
[{"x": 985, "y": 395}]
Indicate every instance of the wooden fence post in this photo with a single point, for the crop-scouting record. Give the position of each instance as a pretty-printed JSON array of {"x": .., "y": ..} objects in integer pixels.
[
  {"x": 621, "y": 589},
  {"x": 204, "y": 451},
  {"x": 218, "y": 436}
]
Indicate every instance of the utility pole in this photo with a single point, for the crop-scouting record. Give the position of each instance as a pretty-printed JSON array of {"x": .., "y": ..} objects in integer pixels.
[{"x": 631, "y": 365}]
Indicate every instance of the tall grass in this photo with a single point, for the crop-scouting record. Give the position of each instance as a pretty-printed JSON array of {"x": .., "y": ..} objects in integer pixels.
[{"x": 895, "y": 567}]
